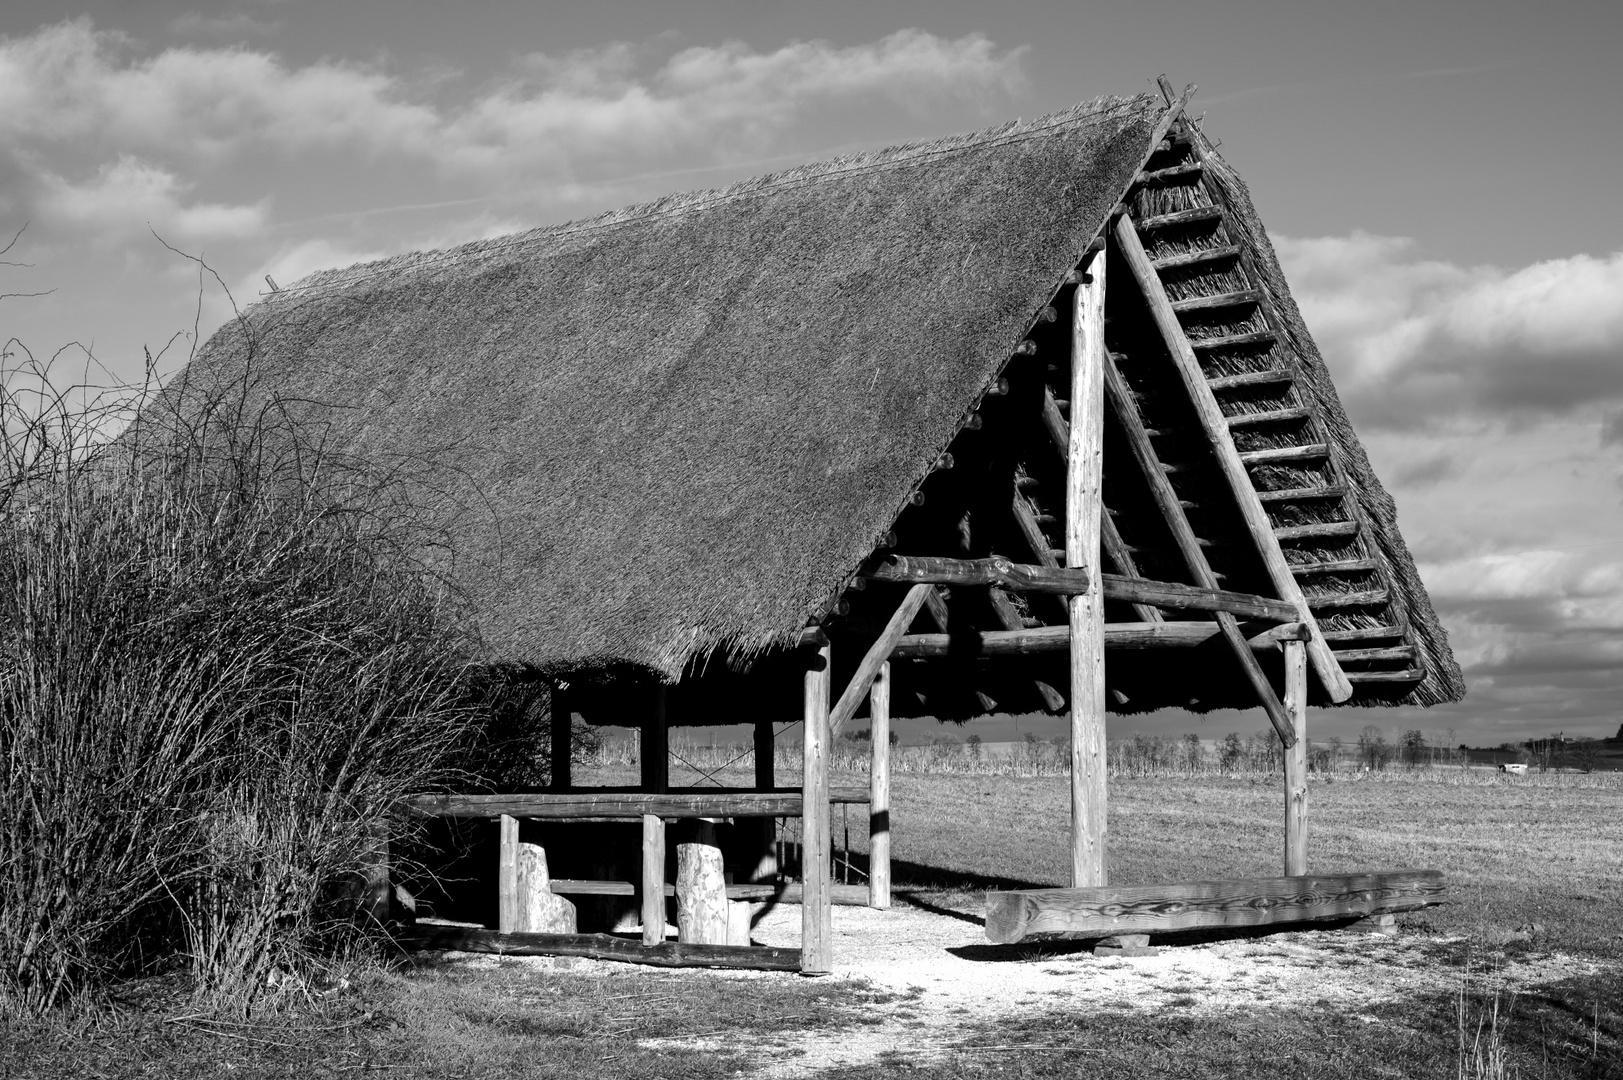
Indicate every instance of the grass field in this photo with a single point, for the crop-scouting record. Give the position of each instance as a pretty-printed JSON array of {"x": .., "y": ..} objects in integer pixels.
[{"x": 1517, "y": 852}]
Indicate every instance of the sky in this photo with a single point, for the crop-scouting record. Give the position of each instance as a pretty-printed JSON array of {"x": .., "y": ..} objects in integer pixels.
[{"x": 1439, "y": 178}]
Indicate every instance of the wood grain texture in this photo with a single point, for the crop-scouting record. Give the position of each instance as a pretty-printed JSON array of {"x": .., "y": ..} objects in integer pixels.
[
  {"x": 601, "y": 947},
  {"x": 996, "y": 570},
  {"x": 507, "y": 875},
  {"x": 816, "y": 850},
  {"x": 1296, "y": 760},
  {"x": 1014, "y": 916},
  {"x": 653, "y": 879},
  {"x": 879, "y": 790},
  {"x": 1084, "y": 505},
  {"x": 701, "y": 888},
  {"x": 1228, "y": 457}
]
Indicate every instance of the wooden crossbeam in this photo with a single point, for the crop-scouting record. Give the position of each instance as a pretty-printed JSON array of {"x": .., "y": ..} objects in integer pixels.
[
  {"x": 993, "y": 570},
  {"x": 1243, "y": 902},
  {"x": 1228, "y": 458},
  {"x": 1172, "y": 511},
  {"x": 630, "y": 805},
  {"x": 1045, "y": 639},
  {"x": 602, "y": 947},
  {"x": 877, "y": 654},
  {"x": 1168, "y": 594}
]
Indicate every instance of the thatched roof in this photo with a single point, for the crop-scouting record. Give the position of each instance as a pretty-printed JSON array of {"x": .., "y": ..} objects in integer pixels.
[{"x": 678, "y": 429}]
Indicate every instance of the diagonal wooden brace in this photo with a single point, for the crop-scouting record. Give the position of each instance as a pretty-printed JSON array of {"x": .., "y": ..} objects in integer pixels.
[{"x": 877, "y": 655}]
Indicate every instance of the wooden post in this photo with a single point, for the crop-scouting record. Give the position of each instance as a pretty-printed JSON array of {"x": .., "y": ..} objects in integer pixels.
[
  {"x": 816, "y": 911},
  {"x": 1296, "y": 759},
  {"x": 562, "y": 720},
  {"x": 540, "y": 910},
  {"x": 1084, "y": 481},
  {"x": 654, "y": 754},
  {"x": 653, "y": 879},
  {"x": 879, "y": 791},
  {"x": 507, "y": 877},
  {"x": 765, "y": 747},
  {"x": 701, "y": 888}
]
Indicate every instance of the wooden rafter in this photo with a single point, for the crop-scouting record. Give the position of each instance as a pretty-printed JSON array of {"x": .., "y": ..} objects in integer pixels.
[
  {"x": 877, "y": 654},
  {"x": 1233, "y": 469},
  {"x": 1172, "y": 511}
]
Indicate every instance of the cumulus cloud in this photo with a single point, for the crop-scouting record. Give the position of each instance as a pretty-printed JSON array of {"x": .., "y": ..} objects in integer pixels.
[
  {"x": 1413, "y": 340},
  {"x": 131, "y": 194}
]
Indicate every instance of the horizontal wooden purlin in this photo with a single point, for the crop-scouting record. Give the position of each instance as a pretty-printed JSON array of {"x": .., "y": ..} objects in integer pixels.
[
  {"x": 1175, "y": 597},
  {"x": 600, "y": 947},
  {"x": 1249, "y": 378},
  {"x": 1234, "y": 341},
  {"x": 1243, "y": 297},
  {"x": 1245, "y": 902},
  {"x": 575, "y": 805},
  {"x": 1176, "y": 174},
  {"x": 782, "y": 893},
  {"x": 1019, "y": 577},
  {"x": 1303, "y": 494},
  {"x": 1272, "y": 416},
  {"x": 1316, "y": 531},
  {"x": 1364, "y": 633},
  {"x": 1396, "y": 652},
  {"x": 1193, "y": 216},
  {"x": 1407, "y": 675},
  {"x": 1340, "y": 566},
  {"x": 1186, "y": 259},
  {"x": 1139, "y": 635},
  {"x": 1327, "y": 601},
  {"x": 1281, "y": 454}
]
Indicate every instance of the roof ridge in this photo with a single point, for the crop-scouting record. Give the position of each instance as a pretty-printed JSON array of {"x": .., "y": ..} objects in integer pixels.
[{"x": 899, "y": 155}]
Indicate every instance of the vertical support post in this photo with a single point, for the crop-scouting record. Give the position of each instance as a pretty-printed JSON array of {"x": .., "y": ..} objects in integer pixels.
[
  {"x": 562, "y": 720},
  {"x": 702, "y": 914},
  {"x": 1296, "y": 760},
  {"x": 1084, "y": 483},
  {"x": 816, "y": 905},
  {"x": 879, "y": 791},
  {"x": 507, "y": 877},
  {"x": 765, "y": 747},
  {"x": 655, "y": 753},
  {"x": 653, "y": 879}
]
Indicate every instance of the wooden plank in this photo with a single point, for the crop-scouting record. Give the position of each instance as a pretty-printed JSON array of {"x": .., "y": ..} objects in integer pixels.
[
  {"x": 879, "y": 790},
  {"x": 653, "y": 879},
  {"x": 1335, "y": 566},
  {"x": 1084, "y": 503},
  {"x": 1396, "y": 652},
  {"x": 630, "y": 806},
  {"x": 1272, "y": 416},
  {"x": 1296, "y": 760},
  {"x": 1172, "y": 511},
  {"x": 600, "y": 947},
  {"x": 1193, "y": 216},
  {"x": 1239, "y": 298},
  {"x": 1284, "y": 455},
  {"x": 507, "y": 875},
  {"x": 1317, "y": 531},
  {"x": 994, "y": 570},
  {"x": 1229, "y": 459},
  {"x": 1014, "y": 916},
  {"x": 816, "y": 922},
  {"x": 877, "y": 654}
]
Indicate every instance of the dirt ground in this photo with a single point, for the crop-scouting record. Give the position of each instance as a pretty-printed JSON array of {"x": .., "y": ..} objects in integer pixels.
[{"x": 947, "y": 975}]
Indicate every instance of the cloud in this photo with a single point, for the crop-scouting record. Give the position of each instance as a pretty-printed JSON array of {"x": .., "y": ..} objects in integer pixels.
[
  {"x": 130, "y": 194},
  {"x": 1413, "y": 341}
]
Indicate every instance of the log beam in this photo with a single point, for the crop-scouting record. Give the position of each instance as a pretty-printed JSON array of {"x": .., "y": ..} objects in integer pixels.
[
  {"x": 996, "y": 570},
  {"x": 653, "y": 879},
  {"x": 816, "y": 873},
  {"x": 1084, "y": 506},
  {"x": 602, "y": 947},
  {"x": 623, "y": 805},
  {"x": 1247, "y": 902},
  {"x": 879, "y": 790},
  {"x": 1044, "y": 639},
  {"x": 877, "y": 654},
  {"x": 1296, "y": 760}
]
